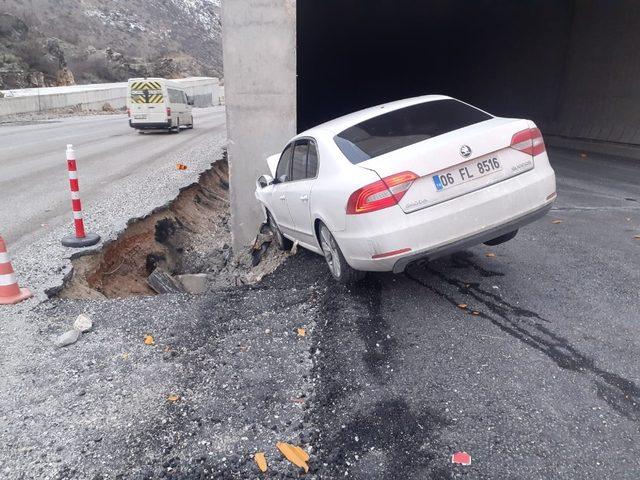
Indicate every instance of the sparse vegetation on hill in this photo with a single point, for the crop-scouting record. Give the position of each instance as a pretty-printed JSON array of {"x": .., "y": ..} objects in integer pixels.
[{"x": 61, "y": 42}]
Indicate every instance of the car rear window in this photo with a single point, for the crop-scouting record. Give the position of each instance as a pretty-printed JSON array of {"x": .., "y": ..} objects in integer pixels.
[{"x": 406, "y": 126}]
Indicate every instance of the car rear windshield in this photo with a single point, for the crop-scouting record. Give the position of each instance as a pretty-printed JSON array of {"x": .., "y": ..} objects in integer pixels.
[{"x": 406, "y": 126}]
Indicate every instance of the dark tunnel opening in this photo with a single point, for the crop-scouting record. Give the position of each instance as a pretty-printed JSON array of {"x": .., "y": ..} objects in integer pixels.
[{"x": 571, "y": 66}]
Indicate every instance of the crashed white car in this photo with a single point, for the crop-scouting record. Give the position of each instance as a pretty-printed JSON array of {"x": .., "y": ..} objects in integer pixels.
[{"x": 413, "y": 179}]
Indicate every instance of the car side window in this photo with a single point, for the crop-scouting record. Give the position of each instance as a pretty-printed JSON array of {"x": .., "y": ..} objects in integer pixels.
[
  {"x": 312, "y": 161},
  {"x": 282, "y": 172},
  {"x": 299, "y": 162},
  {"x": 175, "y": 96}
]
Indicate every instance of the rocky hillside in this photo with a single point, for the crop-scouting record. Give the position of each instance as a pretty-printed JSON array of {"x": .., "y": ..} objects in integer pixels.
[{"x": 61, "y": 42}]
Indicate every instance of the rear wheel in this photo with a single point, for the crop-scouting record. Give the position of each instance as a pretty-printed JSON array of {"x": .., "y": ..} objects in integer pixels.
[
  {"x": 282, "y": 242},
  {"x": 502, "y": 238},
  {"x": 338, "y": 266}
]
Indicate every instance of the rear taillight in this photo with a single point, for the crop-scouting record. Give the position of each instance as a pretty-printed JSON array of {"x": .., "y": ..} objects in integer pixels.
[
  {"x": 168, "y": 111},
  {"x": 528, "y": 141},
  {"x": 381, "y": 194},
  {"x": 128, "y": 112}
]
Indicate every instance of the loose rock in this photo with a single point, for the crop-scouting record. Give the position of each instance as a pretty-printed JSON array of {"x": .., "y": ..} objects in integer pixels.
[
  {"x": 68, "y": 338},
  {"x": 194, "y": 282},
  {"x": 83, "y": 323},
  {"x": 162, "y": 282}
]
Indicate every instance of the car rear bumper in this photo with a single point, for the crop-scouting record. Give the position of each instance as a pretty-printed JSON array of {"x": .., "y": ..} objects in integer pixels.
[
  {"x": 475, "y": 239},
  {"x": 149, "y": 125},
  {"x": 447, "y": 227}
]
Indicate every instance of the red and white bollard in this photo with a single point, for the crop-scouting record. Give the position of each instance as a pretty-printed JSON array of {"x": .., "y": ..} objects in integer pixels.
[
  {"x": 80, "y": 239},
  {"x": 10, "y": 291}
]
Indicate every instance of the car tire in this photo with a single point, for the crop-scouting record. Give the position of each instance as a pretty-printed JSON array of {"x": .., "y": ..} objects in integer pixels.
[
  {"x": 190, "y": 126},
  {"x": 282, "y": 242},
  {"x": 501, "y": 239},
  {"x": 338, "y": 266}
]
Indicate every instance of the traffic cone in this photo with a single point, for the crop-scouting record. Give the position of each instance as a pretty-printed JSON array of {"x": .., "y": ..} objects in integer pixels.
[{"x": 10, "y": 292}]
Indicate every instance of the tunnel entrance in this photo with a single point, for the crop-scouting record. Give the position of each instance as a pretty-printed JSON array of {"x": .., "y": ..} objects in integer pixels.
[{"x": 570, "y": 66}]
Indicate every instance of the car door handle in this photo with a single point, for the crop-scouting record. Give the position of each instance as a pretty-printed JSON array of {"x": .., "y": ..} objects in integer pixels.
[
  {"x": 304, "y": 198},
  {"x": 282, "y": 197}
]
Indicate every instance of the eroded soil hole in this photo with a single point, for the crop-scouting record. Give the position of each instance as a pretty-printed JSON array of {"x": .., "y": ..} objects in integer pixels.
[{"x": 184, "y": 246}]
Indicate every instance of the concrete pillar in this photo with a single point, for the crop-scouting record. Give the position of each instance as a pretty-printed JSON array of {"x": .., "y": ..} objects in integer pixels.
[{"x": 259, "y": 48}]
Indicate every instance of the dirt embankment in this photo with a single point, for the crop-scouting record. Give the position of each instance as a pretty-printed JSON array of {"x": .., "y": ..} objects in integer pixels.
[{"x": 188, "y": 236}]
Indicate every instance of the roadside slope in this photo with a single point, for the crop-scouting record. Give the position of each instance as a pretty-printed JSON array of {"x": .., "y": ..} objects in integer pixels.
[{"x": 123, "y": 175}]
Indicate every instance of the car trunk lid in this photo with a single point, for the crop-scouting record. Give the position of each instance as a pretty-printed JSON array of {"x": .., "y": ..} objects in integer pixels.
[{"x": 456, "y": 162}]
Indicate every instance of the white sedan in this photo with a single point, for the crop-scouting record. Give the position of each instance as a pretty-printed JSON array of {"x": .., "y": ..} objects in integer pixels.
[{"x": 414, "y": 179}]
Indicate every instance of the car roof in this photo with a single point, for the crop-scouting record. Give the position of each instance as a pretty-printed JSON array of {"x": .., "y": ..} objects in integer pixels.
[{"x": 337, "y": 125}]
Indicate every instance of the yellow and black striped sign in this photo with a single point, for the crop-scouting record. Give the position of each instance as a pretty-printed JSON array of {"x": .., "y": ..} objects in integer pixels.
[
  {"x": 142, "y": 98},
  {"x": 146, "y": 86},
  {"x": 146, "y": 92}
]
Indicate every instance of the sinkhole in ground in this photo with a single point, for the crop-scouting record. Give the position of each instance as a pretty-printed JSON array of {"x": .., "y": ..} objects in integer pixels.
[{"x": 181, "y": 247}]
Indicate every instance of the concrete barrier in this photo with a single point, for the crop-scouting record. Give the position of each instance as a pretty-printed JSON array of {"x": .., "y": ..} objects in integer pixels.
[{"x": 205, "y": 91}]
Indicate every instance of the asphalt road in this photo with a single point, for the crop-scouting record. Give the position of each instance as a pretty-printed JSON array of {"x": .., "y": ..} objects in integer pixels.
[
  {"x": 544, "y": 382},
  {"x": 391, "y": 378},
  {"x": 33, "y": 181}
]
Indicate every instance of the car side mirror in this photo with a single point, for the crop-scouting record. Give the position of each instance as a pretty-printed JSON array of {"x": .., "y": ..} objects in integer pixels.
[
  {"x": 264, "y": 181},
  {"x": 189, "y": 101}
]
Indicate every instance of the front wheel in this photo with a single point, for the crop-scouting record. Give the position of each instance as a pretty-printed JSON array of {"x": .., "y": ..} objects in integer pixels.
[
  {"x": 336, "y": 262},
  {"x": 282, "y": 242}
]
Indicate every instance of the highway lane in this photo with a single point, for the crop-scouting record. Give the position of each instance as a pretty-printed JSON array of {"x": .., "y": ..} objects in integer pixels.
[{"x": 33, "y": 174}]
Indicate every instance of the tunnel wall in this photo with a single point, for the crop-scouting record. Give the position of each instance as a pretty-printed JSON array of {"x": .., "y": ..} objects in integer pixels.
[
  {"x": 571, "y": 66},
  {"x": 600, "y": 97}
]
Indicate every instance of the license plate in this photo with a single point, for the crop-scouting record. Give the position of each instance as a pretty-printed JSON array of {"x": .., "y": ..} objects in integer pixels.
[
  {"x": 140, "y": 117},
  {"x": 466, "y": 172}
]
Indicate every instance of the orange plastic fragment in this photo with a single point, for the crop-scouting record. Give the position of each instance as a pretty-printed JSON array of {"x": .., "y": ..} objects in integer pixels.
[
  {"x": 294, "y": 454},
  {"x": 261, "y": 461}
]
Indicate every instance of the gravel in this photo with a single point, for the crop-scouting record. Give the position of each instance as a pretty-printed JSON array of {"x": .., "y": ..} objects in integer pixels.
[{"x": 213, "y": 390}]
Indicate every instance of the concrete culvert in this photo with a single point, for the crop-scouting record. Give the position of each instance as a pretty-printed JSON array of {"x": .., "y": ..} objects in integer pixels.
[{"x": 181, "y": 247}]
